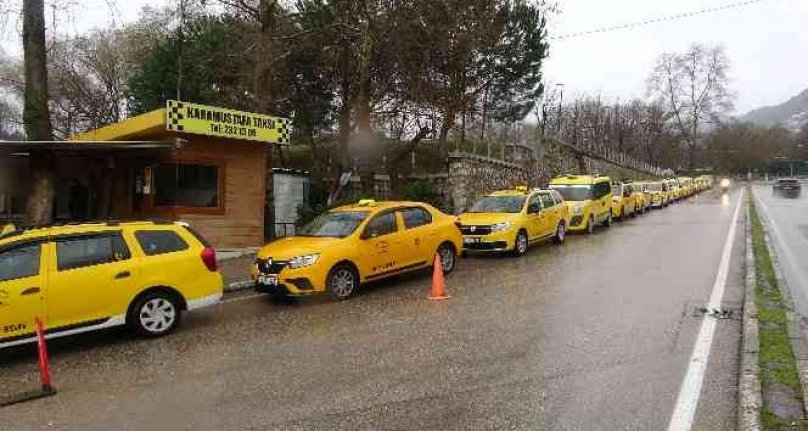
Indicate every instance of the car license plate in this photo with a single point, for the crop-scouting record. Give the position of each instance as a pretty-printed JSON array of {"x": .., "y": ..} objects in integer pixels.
[
  {"x": 268, "y": 279},
  {"x": 472, "y": 239}
]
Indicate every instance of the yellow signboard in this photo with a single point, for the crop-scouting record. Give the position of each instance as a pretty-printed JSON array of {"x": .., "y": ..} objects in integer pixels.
[{"x": 226, "y": 123}]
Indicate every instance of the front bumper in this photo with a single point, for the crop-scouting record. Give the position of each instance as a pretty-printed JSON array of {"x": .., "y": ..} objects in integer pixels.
[
  {"x": 291, "y": 282},
  {"x": 578, "y": 222},
  {"x": 498, "y": 241}
]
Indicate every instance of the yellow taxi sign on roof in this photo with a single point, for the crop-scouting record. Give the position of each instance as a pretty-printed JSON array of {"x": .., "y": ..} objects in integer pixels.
[{"x": 366, "y": 203}]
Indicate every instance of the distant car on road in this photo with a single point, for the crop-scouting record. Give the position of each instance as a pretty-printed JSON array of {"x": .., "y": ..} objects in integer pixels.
[
  {"x": 725, "y": 184},
  {"x": 787, "y": 184},
  {"x": 353, "y": 244},
  {"x": 510, "y": 220},
  {"x": 90, "y": 276}
]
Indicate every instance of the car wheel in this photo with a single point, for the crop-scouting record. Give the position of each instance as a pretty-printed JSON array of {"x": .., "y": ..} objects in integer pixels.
[
  {"x": 154, "y": 315},
  {"x": 448, "y": 257},
  {"x": 561, "y": 233},
  {"x": 342, "y": 281},
  {"x": 609, "y": 219},
  {"x": 520, "y": 244}
]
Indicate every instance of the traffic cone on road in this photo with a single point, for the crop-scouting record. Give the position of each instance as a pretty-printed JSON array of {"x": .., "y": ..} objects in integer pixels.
[{"x": 438, "y": 292}]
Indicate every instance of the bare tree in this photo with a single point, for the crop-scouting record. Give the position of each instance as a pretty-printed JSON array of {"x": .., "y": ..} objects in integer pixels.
[
  {"x": 694, "y": 89},
  {"x": 35, "y": 112}
]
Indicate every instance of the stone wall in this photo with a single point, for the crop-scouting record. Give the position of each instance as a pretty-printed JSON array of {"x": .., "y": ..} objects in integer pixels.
[{"x": 471, "y": 176}]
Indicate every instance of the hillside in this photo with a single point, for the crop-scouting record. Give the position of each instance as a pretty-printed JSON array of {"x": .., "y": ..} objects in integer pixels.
[{"x": 792, "y": 114}]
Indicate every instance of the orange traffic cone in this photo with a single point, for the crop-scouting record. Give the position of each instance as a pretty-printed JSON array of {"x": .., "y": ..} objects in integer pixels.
[{"x": 438, "y": 292}]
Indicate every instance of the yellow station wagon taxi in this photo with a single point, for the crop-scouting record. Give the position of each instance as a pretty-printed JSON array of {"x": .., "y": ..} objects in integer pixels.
[
  {"x": 589, "y": 198},
  {"x": 510, "y": 220},
  {"x": 353, "y": 244},
  {"x": 90, "y": 276}
]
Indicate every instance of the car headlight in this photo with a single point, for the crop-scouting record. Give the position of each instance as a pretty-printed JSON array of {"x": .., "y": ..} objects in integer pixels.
[
  {"x": 303, "y": 261},
  {"x": 499, "y": 227},
  {"x": 578, "y": 209}
]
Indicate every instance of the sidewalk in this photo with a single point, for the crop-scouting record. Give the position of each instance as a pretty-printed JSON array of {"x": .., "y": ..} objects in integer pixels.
[{"x": 235, "y": 271}]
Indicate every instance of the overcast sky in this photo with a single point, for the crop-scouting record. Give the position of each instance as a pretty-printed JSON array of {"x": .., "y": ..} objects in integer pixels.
[{"x": 767, "y": 42}]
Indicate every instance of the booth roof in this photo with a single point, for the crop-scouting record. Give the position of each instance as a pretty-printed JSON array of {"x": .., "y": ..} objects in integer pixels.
[{"x": 150, "y": 124}]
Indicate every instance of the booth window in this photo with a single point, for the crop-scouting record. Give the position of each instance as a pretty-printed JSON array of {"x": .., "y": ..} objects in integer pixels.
[{"x": 186, "y": 185}]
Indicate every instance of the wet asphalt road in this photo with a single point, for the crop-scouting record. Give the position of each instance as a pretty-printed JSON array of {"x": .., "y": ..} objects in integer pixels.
[
  {"x": 786, "y": 216},
  {"x": 594, "y": 335}
]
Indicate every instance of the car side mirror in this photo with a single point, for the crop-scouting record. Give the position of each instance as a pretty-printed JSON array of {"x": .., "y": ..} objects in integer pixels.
[{"x": 368, "y": 234}]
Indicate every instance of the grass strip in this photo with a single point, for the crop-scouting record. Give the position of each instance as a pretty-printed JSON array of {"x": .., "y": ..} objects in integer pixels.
[{"x": 778, "y": 369}]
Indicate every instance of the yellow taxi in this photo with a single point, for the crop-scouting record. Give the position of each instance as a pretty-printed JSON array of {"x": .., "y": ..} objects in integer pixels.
[
  {"x": 349, "y": 245},
  {"x": 659, "y": 194},
  {"x": 84, "y": 277},
  {"x": 643, "y": 196},
  {"x": 589, "y": 198},
  {"x": 510, "y": 220},
  {"x": 624, "y": 200},
  {"x": 686, "y": 184},
  {"x": 674, "y": 189}
]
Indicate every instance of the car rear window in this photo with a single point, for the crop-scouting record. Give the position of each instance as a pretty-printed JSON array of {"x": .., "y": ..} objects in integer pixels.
[
  {"x": 154, "y": 242},
  {"x": 80, "y": 252},
  {"x": 415, "y": 217}
]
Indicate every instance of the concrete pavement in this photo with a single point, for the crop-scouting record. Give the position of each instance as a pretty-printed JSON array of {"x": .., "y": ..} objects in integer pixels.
[{"x": 594, "y": 335}]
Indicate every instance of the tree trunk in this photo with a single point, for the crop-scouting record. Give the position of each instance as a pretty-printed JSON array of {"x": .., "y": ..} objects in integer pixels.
[
  {"x": 262, "y": 84},
  {"x": 35, "y": 113}
]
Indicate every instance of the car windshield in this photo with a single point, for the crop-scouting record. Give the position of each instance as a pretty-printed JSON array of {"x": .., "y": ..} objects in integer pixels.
[
  {"x": 498, "y": 204},
  {"x": 334, "y": 224},
  {"x": 788, "y": 181},
  {"x": 655, "y": 187},
  {"x": 573, "y": 192}
]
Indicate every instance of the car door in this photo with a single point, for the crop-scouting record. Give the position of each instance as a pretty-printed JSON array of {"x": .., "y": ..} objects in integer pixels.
[
  {"x": 23, "y": 278},
  {"x": 419, "y": 236},
  {"x": 603, "y": 196},
  {"x": 381, "y": 248},
  {"x": 91, "y": 276},
  {"x": 550, "y": 214},
  {"x": 535, "y": 217}
]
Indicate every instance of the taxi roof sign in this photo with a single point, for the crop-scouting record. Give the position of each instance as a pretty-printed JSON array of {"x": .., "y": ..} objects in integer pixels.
[{"x": 366, "y": 203}]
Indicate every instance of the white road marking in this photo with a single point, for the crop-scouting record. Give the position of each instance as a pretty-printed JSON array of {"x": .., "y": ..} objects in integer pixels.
[{"x": 688, "y": 400}]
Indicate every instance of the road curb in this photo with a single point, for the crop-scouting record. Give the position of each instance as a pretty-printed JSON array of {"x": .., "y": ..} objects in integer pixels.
[
  {"x": 238, "y": 286},
  {"x": 796, "y": 337},
  {"x": 750, "y": 398}
]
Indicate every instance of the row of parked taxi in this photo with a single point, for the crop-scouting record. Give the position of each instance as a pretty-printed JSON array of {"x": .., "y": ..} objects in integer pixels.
[
  {"x": 369, "y": 240},
  {"x": 90, "y": 276}
]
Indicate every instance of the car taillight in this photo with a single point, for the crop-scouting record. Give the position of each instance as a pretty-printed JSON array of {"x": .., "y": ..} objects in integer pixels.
[{"x": 208, "y": 256}]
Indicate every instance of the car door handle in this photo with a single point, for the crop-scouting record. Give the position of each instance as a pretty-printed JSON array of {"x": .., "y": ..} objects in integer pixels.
[
  {"x": 30, "y": 291},
  {"x": 123, "y": 274}
]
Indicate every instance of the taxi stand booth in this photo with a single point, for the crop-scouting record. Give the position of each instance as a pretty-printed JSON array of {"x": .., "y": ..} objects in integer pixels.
[{"x": 200, "y": 164}]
